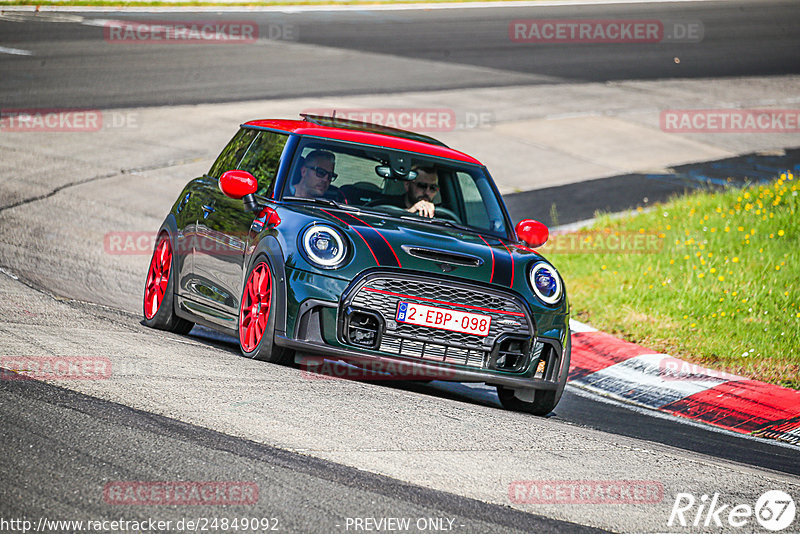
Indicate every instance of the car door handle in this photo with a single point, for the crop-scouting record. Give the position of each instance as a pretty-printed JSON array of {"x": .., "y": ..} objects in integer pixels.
[
  {"x": 207, "y": 210},
  {"x": 183, "y": 201}
]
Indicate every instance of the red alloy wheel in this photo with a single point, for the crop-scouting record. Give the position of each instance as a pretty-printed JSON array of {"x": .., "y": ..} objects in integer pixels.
[
  {"x": 254, "y": 313},
  {"x": 157, "y": 278}
]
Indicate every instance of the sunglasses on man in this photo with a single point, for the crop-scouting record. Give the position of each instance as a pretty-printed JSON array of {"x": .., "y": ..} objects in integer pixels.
[
  {"x": 323, "y": 173},
  {"x": 433, "y": 188}
]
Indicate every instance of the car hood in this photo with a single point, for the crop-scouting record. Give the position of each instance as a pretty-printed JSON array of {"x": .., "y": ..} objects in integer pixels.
[{"x": 390, "y": 242}]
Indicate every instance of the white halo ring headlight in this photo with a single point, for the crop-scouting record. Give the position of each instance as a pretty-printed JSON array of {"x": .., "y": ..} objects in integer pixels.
[
  {"x": 324, "y": 246},
  {"x": 546, "y": 283}
]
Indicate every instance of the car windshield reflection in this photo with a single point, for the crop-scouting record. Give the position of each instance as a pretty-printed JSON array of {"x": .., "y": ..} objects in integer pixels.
[{"x": 399, "y": 184}]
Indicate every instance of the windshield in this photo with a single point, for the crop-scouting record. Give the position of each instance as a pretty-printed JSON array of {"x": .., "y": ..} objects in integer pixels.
[{"x": 396, "y": 183}]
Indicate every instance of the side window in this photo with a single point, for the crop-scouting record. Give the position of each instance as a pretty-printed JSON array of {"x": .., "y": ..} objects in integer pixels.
[
  {"x": 233, "y": 152},
  {"x": 262, "y": 159},
  {"x": 473, "y": 201}
]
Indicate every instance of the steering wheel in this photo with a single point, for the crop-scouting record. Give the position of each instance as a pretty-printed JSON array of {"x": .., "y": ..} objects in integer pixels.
[
  {"x": 387, "y": 207},
  {"x": 440, "y": 213},
  {"x": 444, "y": 213},
  {"x": 377, "y": 204}
]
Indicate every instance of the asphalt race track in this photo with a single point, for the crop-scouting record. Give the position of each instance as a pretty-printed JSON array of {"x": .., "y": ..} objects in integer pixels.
[
  {"x": 323, "y": 453},
  {"x": 377, "y": 52},
  {"x": 101, "y": 441}
]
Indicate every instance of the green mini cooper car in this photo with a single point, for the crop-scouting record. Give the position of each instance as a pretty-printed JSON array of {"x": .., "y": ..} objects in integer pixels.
[{"x": 331, "y": 240}]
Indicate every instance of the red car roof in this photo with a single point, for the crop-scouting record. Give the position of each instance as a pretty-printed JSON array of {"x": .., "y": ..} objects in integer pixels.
[{"x": 343, "y": 134}]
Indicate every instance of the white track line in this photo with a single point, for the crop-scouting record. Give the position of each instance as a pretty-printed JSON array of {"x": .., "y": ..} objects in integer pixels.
[
  {"x": 578, "y": 327},
  {"x": 15, "y": 51}
]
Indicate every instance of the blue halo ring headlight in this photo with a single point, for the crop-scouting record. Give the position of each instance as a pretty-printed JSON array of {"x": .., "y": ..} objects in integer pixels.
[
  {"x": 546, "y": 283},
  {"x": 324, "y": 246}
]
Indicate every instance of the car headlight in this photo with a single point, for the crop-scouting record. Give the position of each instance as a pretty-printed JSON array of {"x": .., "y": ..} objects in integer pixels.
[
  {"x": 324, "y": 246},
  {"x": 546, "y": 283}
]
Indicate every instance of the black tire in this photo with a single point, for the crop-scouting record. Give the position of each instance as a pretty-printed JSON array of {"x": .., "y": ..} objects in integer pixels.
[
  {"x": 544, "y": 402},
  {"x": 264, "y": 348},
  {"x": 164, "y": 317}
]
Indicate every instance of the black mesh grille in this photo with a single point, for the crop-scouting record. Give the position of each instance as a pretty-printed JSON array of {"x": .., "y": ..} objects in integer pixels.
[{"x": 382, "y": 293}]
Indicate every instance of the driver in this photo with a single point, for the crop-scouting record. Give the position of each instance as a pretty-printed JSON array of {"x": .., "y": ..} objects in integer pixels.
[{"x": 420, "y": 192}]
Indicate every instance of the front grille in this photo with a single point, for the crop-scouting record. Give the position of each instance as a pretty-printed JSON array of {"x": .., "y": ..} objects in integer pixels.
[{"x": 380, "y": 293}]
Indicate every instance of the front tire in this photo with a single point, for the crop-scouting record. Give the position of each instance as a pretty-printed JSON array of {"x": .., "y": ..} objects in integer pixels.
[
  {"x": 257, "y": 316},
  {"x": 543, "y": 401},
  {"x": 159, "y": 291}
]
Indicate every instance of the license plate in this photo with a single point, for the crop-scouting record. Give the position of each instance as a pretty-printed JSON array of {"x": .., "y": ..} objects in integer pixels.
[{"x": 444, "y": 319}]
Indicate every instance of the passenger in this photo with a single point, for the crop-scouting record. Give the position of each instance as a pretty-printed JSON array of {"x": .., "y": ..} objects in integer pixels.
[{"x": 316, "y": 175}]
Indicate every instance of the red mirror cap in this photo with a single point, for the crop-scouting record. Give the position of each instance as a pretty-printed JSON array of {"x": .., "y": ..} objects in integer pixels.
[
  {"x": 237, "y": 184},
  {"x": 533, "y": 233},
  {"x": 270, "y": 217}
]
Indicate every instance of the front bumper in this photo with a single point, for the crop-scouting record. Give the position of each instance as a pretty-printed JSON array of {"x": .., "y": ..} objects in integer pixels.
[
  {"x": 321, "y": 329},
  {"x": 420, "y": 368}
]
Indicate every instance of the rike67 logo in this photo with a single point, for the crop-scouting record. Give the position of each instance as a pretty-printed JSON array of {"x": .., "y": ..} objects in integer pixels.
[{"x": 774, "y": 511}]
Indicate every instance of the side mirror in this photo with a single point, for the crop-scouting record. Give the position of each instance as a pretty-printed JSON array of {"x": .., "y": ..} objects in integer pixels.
[
  {"x": 532, "y": 233},
  {"x": 240, "y": 184},
  {"x": 237, "y": 184}
]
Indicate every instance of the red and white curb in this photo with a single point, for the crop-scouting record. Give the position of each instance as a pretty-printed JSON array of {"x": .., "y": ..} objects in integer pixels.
[{"x": 634, "y": 374}]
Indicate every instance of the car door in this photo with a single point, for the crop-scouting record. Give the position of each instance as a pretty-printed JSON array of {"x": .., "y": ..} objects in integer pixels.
[
  {"x": 187, "y": 212},
  {"x": 224, "y": 227},
  {"x": 199, "y": 283}
]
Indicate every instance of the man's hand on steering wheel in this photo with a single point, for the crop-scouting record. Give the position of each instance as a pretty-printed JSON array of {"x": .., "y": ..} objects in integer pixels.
[{"x": 423, "y": 208}]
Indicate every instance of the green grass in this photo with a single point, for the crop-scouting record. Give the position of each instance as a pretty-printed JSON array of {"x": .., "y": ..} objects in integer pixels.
[{"x": 721, "y": 288}]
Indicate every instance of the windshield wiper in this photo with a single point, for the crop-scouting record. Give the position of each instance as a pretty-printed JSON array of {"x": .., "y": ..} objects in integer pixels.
[
  {"x": 438, "y": 220},
  {"x": 325, "y": 201}
]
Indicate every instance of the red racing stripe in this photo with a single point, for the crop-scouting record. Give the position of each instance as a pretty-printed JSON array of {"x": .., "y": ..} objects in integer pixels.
[
  {"x": 512, "y": 263},
  {"x": 380, "y": 234},
  {"x": 491, "y": 277},
  {"x": 359, "y": 235}
]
